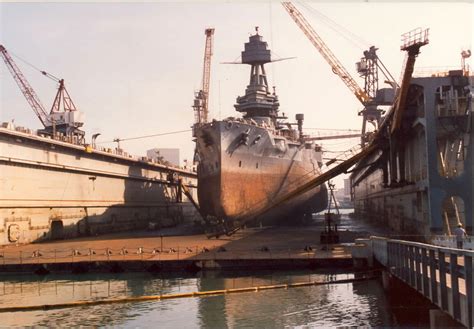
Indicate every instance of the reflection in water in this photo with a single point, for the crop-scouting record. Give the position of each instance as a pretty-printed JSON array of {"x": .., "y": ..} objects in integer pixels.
[{"x": 352, "y": 304}]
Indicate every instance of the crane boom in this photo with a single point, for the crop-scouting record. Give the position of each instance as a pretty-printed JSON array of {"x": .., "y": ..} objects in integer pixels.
[
  {"x": 412, "y": 42},
  {"x": 206, "y": 75},
  {"x": 201, "y": 98},
  {"x": 25, "y": 87},
  {"x": 327, "y": 54}
]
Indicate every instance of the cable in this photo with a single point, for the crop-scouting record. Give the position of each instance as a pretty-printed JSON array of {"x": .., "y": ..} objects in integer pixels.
[
  {"x": 26, "y": 62},
  {"x": 273, "y": 77},
  {"x": 146, "y": 136},
  {"x": 353, "y": 38},
  {"x": 49, "y": 75},
  {"x": 334, "y": 129}
]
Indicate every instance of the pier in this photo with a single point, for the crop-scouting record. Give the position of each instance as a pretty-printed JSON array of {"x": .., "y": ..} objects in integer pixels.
[{"x": 442, "y": 275}]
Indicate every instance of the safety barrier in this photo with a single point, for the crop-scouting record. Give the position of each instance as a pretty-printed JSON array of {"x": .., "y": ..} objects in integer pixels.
[
  {"x": 450, "y": 241},
  {"x": 443, "y": 275},
  {"x": 360, "y": 277}
]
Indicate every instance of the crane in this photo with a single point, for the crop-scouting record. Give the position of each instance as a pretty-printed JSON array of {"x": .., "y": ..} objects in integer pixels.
[
  {"x": 63, "y": 116},
  {"x": 367, "y": 68},
  {"x": 327, "y": 54},
  {"x": 201, "y": 100},
  {"x": 25, "y": 88},
  {"x": 412, "y": 42}
]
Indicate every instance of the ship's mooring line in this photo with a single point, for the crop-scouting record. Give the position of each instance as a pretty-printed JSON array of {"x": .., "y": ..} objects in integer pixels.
[{"x": 175, "y": 296}]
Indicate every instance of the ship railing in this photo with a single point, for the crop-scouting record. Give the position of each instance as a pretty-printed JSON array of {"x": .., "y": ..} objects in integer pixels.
[
  {"x": 434, "y": 71},
  {"x": 449, "y": 241},
  {"x": 442, "y": 275}
]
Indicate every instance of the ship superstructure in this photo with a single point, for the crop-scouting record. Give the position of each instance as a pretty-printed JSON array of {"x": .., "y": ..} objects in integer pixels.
[{"x": 245, "y": 163}]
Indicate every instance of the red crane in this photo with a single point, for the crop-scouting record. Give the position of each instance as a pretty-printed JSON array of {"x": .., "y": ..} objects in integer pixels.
[
  {"x": 63, "y": 117},
  {"x": 25, "y": 88}
]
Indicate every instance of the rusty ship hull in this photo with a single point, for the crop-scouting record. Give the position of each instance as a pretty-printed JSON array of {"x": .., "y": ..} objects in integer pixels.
[{"x": 238, "y": 179}]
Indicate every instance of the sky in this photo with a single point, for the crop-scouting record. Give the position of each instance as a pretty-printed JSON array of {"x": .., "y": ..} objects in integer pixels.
[{"x": 133, "y": 68}]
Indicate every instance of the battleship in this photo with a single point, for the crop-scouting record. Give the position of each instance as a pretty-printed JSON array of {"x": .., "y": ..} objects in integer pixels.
[{"x": 247, "y": 163}]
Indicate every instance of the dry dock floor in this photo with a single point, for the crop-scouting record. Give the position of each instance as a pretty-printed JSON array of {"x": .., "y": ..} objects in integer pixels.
[{"x": 267, "y": 243}]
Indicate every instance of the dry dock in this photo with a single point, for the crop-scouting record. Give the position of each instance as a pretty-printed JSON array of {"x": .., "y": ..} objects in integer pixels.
[{"x": 267, "y": 247}]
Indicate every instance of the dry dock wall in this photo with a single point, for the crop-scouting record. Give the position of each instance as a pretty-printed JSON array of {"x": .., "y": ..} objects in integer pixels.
[
  {"x": 430, "y": 189},
  {"x": 55, "y": 189}
]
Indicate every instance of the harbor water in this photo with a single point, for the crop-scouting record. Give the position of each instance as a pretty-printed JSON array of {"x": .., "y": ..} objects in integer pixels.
[{"x": 361, "y": 303}]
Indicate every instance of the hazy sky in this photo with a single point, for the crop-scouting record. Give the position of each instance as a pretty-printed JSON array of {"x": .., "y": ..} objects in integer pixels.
[{"x": 133, "y": 67}]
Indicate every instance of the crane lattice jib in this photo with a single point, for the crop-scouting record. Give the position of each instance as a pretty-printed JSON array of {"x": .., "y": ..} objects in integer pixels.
[
  {"x": 25, "y": 87},
  {"x": 327, "y": 54},
  {"x": 206, "y": 76},
  {"x": 62, "y": 96}
]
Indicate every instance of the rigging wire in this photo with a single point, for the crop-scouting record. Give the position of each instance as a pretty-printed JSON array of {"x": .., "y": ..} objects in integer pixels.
[
  {"x": 46, "y": 74},
  {"x": 145, "y": 136},
  {"x": 273, "y": 77},
  {"x": 25, "y": 61},
  {"x": 350, "y": 36},
  {"x": 332, "y": 129}
]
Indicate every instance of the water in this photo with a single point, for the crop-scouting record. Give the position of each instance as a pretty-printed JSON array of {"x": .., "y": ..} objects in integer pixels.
[{"x": 353, "y": 304}]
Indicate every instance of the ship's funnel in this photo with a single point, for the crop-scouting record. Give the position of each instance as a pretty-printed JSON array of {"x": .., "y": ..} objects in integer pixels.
[{"x": 299, "y": 119}]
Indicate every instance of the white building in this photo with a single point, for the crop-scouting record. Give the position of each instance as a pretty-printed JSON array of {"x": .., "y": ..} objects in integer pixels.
[{"x": 170, "y": 155}]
